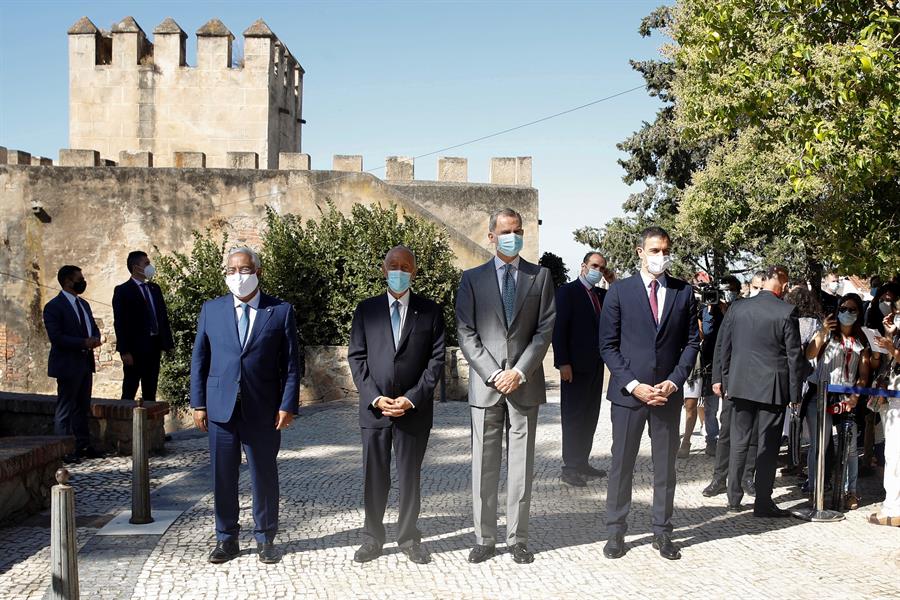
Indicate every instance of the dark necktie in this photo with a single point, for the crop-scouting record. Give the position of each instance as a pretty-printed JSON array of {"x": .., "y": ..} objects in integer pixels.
[
  {"x": 654, "y": 302},
  {"x": 509, "y": 293},
  {"x": 81, "y": 318},
  {"x": 154, "y": 324},
  {"x": 594, "y": 300}
]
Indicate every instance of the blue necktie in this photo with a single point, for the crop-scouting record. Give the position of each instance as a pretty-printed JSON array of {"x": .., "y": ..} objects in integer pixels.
[
  {"x": 154, "y": 324},
  {"x": 509, "y": 294},
  {"x": 244, "y": 323},
  {"x": 395, "y": 322}
]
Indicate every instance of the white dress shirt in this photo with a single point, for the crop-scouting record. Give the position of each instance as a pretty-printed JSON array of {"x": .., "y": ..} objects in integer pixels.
[
  {"x": 660, "y": 302},
  {"x": 500, "y": 267},
  {"x": 252, "y": 307},
  {"x": 403, "y": 308},
  {"x": 79, "y": 310}
]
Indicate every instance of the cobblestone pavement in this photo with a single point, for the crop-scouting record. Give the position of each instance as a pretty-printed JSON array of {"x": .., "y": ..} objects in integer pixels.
[{"x": 725, "y": 555}]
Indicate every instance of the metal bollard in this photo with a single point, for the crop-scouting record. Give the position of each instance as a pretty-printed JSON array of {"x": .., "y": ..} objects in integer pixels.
[
  {"x": 818, "y": 513},
  {"x": 63, "y": 546},
  {"x": 140, "y": 467}
]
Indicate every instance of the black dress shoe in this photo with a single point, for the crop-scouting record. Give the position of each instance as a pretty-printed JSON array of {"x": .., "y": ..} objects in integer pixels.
[
  {"x": 416, "y": 553},
  {"x": 91, "y": 452},
  {"x": 715, "y": 488},
  {"x": 573, "y": 479},
  {"x": 749, "y": 487},
  {"x": 224, "y": 551},
  {"x": 481, "y": 553},
  {"x": 368, "y": 551},
  {"x": 667, "y": 549},
  {"x": 521, "y": 555},
  {"x": 735, "y": 508},
  {"x": 71, "y": 459},
  {"x": 267, "y": 553},
  {"x": 590, "y": 471},
  {"x": 772, "y": 511},
  {"x": 615, "y": 547}
]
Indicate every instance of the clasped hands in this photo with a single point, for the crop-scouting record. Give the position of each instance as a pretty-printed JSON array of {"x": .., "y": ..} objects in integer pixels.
[
  {"x": 508, "y": 381},
  {"x": 394, "y": 407},
  {"x": 654, "y": 395}
]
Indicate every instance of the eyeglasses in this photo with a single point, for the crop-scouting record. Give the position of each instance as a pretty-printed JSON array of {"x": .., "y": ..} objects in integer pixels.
[
  {"x": 847, "y": 309},
  {"x": 242, "y": 270}
]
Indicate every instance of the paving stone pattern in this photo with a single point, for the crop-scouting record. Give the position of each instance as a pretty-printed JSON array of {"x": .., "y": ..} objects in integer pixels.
[{"x": 725, "y": 555}]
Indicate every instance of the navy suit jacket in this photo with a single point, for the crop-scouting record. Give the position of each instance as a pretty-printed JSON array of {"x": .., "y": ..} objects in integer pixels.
[
  {"x": 412, "y": 370},
  {"x": 265, "y": 371},
  {"x": 68, "y": 356},
  {"x": 131, "y": 318},
  {"x": 575, "y": 333},
  {"x": 634, "y": 348}
]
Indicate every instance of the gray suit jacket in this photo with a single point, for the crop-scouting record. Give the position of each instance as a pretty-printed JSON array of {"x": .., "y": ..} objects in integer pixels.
[{"x": 486, "y": 342}]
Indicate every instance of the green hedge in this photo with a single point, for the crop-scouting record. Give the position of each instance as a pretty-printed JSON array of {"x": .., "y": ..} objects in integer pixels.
[{"x": 323, "y": 267}]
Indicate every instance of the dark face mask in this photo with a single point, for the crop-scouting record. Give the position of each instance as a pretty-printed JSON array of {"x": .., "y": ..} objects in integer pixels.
[{"x": 79, "y": 286}]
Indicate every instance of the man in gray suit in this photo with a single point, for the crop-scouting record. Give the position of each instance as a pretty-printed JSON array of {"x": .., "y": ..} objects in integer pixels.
[{"x": 504, "y": 313}]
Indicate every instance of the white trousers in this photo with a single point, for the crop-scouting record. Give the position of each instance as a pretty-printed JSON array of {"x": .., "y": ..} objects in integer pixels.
[{"x": 890, "y": 418}]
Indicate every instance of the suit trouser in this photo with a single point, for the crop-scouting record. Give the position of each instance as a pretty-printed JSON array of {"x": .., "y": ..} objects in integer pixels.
[
  {"x": 579, "y": 413},
  {"x": 260, "y": 442},
  {"x": 409, "y": 452},
  {"x": 723, "y": 447},
  {"x": 627, "y": 430},
  {"x": 488, "y": 426},
  {"x": 144, "y": 372},
  {"x": 748, "y": 420},
  {"x": 73, "y": 407}
]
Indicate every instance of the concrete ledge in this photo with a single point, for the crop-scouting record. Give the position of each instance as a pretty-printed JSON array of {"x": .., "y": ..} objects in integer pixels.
[
  {"x": 189, "y": 160},
  {"x": 293, "y": 161},
  {"x": 135, "y": 159},
  {"x": 347, "y": 162},
  {"x": 69, "y": 157},
  {"x": 241, "y": 160},
  {"x": 18, "y": 157},
  {"x": 110, "y": 421},
  {"x": 27, "y": 468}
]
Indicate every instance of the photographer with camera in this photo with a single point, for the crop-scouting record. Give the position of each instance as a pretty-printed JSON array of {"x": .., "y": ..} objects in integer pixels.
[{"x": 843, "y": 357}]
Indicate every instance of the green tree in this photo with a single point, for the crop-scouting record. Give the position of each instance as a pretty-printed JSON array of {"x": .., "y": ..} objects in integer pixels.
[
  {"x": 558, "y": 270},
  {"x": 801, "y": 100}
]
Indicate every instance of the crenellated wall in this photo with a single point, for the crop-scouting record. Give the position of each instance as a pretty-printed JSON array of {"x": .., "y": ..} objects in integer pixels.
[{"x": 128, "y": 94}]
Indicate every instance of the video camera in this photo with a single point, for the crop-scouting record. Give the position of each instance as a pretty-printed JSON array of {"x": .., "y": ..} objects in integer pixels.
[{"x": 709, "y": 294}]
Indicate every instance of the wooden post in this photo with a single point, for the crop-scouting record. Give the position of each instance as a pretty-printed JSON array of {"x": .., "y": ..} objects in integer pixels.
[
  {"x": 63, "y": 546},
  {"x": 140, "y": 467}
]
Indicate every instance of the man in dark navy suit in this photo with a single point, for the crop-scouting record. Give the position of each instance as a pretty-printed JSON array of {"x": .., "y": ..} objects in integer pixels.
[
  {"x": 244, "y": 391},
  {"x": 649, "y": 340},
  {"x": 576, "y": 353},
  {"x": 396, "y": 355},
  {"x": 142, "y": 328},
  {"x": 73, "y": 336}
]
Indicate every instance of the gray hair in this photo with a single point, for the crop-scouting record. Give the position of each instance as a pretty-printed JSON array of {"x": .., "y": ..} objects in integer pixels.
[
  {"x": 504, "y": 212},
  {"x": 399, "y": 248},
  {"x": 254, "y": 257}
]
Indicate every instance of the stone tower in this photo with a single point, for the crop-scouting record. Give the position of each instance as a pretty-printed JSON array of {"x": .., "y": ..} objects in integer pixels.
[{"x": 128, "y": 94}]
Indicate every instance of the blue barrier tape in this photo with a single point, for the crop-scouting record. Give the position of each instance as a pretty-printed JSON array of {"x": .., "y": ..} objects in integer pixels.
[{"x": 863, "y": 391}]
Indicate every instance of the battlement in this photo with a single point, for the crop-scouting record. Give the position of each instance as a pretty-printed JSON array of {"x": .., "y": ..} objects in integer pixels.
[{"x": 128, "y": 93}]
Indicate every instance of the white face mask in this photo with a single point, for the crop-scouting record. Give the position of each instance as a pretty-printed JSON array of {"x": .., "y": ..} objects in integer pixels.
[
  {"x": 658, "y": 263},
  {"x": 885, "y": 308},
  {"x": 149, "y": 271},
  {"x": 833, "y": 287},
  {"x": 754, "y": 292},
  {"x": 240, "y": 284}
]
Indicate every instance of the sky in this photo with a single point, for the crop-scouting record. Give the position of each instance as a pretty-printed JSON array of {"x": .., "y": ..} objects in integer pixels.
[{"x": 401, "y": 78}]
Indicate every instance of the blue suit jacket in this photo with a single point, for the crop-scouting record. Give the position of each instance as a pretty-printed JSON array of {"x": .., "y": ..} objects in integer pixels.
[
  {"x": 68, "y": 356},
  {"x": 265, "y": 372},
  {"x": 633, "y": 347},
  {"x": 575, "y": 340}
]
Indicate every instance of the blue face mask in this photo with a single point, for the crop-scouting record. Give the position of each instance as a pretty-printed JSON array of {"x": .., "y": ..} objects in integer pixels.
[
  {"x": 847, "y": 318},
  {"x": 593, "y": 276},
  {"x": 398, "y": 281},
  {"x": 510, "y": 244}
]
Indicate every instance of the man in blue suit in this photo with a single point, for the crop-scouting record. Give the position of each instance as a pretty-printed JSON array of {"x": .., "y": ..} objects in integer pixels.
[
  {"x": 244, "y": 391},
  {"x": 576, "y": 354},
  {"x": 73, "y": 336},
  {"x": 649, "y": 340}
]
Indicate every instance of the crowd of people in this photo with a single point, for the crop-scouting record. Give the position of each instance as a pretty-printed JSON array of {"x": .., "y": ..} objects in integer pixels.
[{"x": 747, "y": 368}]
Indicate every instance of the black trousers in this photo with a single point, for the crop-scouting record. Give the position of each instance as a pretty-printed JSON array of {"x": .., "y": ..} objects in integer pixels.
[
  {"x": 409, "y": 451},
  {"x": 579, "y": 413},
  {"x": 628, "y": 429},
  {"x": 767, "y": 420},
  {"x": 73, "y": 407},
  {"x": 144, "y": 372},
  {"x": 723, "y": 446}
]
